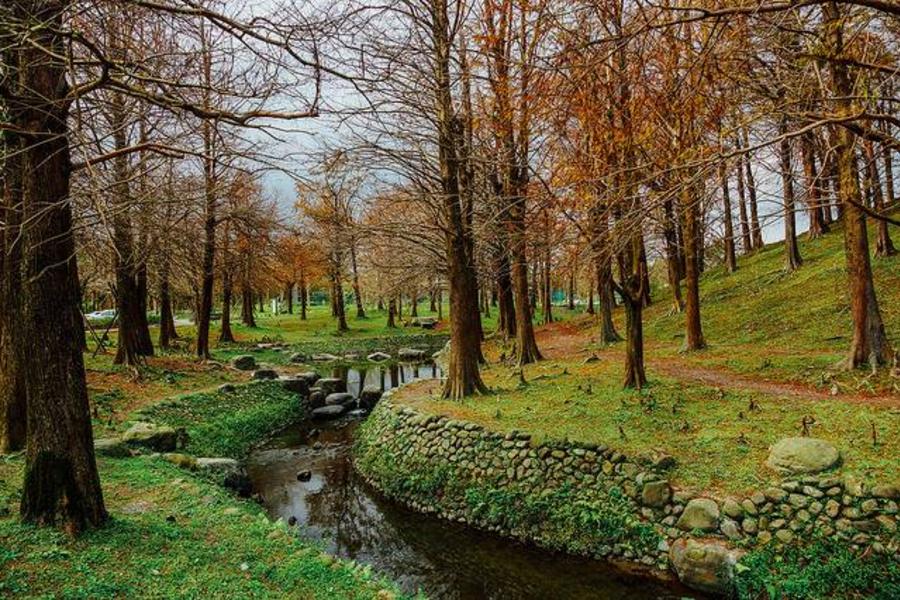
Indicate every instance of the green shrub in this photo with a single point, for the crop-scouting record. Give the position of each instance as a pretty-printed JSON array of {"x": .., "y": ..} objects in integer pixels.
[{"x": 823, "y": 569}]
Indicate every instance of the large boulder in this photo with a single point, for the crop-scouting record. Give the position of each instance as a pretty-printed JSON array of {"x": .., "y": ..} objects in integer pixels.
[
  {"x": 379, "y": 356},
  {"x": 705, "y": 565},
  {"x": 218, "y": 466},
  {"x": 311, "y": 377},
  {"x": 316, "y": 398},
  {"x": 331, "y": 385},
  {"x": 802, "y": 455},
  {"x": 244, "y": 362},
  {"x": 328, "y": 412},
  {"x": 324, "y": 357},
  {"x": 656, "y": 494},
  {"x": 411, "y": 354},
  {"x": 160, "y": 438},
  {"x": 700, "y": 514},
  {"x": 263, "y": 374},
  {"x": 425, "y": 322},
  {"x": 342, "y": 398},
  {"x": 112, "y": 447},
  {"x": 298, "y": 385},
  {"x": 297, "y": 357},
  {"x": 369, "y": 397},
  {"x": 185, "y": 461}
]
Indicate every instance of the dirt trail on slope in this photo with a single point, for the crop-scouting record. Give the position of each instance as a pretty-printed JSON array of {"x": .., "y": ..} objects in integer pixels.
[{"x": 567, "y": 340}]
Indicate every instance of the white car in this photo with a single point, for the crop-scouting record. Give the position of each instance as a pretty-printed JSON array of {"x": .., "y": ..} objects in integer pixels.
[{"x": 101, "y": 315}]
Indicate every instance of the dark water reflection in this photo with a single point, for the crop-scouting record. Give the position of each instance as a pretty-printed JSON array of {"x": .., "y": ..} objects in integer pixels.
[{"x": 419, "y": 552}]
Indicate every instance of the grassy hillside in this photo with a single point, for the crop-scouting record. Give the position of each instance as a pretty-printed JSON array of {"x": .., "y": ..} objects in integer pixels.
[
  {"x": 770, "y": 333},
  {"x": 763, "y": 320}
]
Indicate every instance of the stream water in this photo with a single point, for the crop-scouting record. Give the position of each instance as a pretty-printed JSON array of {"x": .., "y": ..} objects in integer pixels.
[{"x": 420, "y": 552}]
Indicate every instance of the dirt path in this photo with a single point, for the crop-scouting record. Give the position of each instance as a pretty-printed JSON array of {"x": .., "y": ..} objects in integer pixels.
[{"x": 559, "y": 341}]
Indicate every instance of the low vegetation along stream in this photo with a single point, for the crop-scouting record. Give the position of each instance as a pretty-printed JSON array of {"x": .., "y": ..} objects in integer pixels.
[{"x": 306, "y": 478}]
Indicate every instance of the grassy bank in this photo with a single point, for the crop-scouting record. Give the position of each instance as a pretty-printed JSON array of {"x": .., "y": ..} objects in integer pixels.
[
  {"x": 766, "y": 322},
  {"x": 173, "y": 534},
  {"x": 227, "y": 424},
  {"x": 718, "y": 440}
]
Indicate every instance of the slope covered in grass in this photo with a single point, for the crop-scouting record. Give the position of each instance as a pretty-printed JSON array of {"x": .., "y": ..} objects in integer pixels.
[
  {"x": 763, "y": 319},
  {"x": 774, "y": 338}
]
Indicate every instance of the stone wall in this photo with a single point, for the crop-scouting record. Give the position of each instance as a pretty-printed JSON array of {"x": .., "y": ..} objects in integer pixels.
[{"x": 593, "y": 500}]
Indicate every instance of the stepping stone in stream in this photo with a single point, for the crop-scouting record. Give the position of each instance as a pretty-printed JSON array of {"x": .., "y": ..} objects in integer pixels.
[{"x": 328, "y": 412}]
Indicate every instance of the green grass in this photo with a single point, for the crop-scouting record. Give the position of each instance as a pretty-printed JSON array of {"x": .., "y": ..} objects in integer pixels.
[
  {"x": 823, "y": 569},
  {"x": 765, "y": 321},
  {"x": 718, "y": 441},
  {"x": 171, "y": 535},
  {"x": 229, "y": 424},
  {"x": 760, "y": 322}
]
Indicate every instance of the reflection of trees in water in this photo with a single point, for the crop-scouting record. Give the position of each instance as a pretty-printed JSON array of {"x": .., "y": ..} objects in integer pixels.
[
  {"x": 385, "y": 376},
  {"x": 447, "y": 560}
]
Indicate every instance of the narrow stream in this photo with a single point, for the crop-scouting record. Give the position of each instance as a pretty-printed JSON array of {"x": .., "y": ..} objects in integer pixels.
[{"x": 420, "y": 552}]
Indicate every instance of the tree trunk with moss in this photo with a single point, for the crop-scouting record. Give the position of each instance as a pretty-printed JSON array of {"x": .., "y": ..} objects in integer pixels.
[{"x": 61, "y": 485}]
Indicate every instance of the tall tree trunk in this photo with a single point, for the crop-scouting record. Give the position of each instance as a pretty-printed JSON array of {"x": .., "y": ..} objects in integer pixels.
[
  {"x": 226, "y": 335},
  {"x": 817, "y": 224},
  {"x": 602, "y": 260},
  {"x": 891, "y": 195},
  {"x": 570, "y": 293},
  {"x": 884, "y": 246},
  {"x": 167, "y": 331},
  {"x": 145, "y": 342},
  {"x": 746, "y": 243},
  {"x": 673, "y": 255},
  {"x": 590, "y": 305},
  {"x": 338, "y": 293},
  {"x": 463, "y": 375},
  {"x": 792, "y": 259},
  {"x": 392, "y": 310},
  {"x": 632, "y": 279},
  {"x": 130, "y": 344},
  {"x": 506, "y": 309},
  {"x": 870, "y": 342},
  {"x": 414, "y": 304},
  {"x": 207, "y": 271},
  {"x": 61, "y": 483},
  {"x": 432, "y": 297},
  {"x": 648, "y": 300},
  {"x": 755, "y": 229},
  {"x": 730, "y": 255},
  {"x": 247, "y": 317},
  {"x": 304, "y": 297},
  {"x": 357, "y": 294},
  {"x": 13, "y": 405},
  {"x": 607, "y": 299},
  {"x": 693, "y": 338},
  {"x": 635, "y": 375},
  {"x": 547, "y": 289}
]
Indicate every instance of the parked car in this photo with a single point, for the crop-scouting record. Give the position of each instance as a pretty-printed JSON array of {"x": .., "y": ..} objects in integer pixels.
[{"x": 101, "y": 315}]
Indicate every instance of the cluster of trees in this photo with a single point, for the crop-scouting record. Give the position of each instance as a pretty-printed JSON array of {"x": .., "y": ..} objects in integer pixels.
[
  {"x": 492, "y": 149},
  {"x": 131, "y": 136},
  {"x": 543, "y": 135}
]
